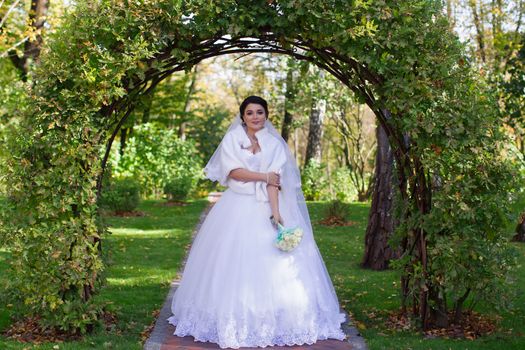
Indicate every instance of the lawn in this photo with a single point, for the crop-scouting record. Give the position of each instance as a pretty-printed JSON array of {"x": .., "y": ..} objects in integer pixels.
[
  {"x": 147, "y": 252},
  {"x": 366, "y": 294}
]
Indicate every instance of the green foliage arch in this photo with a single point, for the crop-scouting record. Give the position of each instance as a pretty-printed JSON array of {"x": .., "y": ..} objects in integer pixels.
[{"x": 399, "y": 57}]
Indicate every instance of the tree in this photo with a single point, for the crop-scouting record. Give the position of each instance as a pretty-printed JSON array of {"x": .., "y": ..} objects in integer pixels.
[
  {"x": 513, "y": 97},
  {"x": 189, "y": 95},
  {"x": 315, "y": 131},
  {"x": 289, "y": 96},
  {"x": 496, "y": 27},
  {"x": 520, "y": 229},
  {"x": 357, "y": 147},
  {"x": 32, "y": 36},
  {"x": 495, "y": 43},
  {"x": 378, "y": 252}
]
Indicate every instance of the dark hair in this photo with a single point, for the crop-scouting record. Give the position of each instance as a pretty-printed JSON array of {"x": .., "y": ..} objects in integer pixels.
[{"x": 253, "y": 99}]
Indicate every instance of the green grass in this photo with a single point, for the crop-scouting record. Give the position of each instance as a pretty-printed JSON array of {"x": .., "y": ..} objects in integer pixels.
[
  {"x": 362, "y": 292},
  {"x": 147, "y": 252},
  {"x": 145, "y": 255}
]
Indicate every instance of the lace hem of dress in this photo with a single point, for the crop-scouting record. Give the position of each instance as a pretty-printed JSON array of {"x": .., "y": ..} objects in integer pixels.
[{"x": 235, "y": 332}]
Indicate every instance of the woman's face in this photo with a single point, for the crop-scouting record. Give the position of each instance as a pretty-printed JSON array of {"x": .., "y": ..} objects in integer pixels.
[{"x": 254, "y": 116}]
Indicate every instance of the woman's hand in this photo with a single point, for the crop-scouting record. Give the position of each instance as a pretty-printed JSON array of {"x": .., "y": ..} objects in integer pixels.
[
  {"x": 274, "y": 179},
  {"x": 277, "y": 218}
]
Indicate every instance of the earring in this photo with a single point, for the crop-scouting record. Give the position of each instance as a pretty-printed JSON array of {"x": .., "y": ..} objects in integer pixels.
[{"x": 243, "y": 123}]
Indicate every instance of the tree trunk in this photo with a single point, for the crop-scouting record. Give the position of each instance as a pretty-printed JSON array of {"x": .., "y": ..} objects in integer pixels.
[
  {"x": 380, "y": 221},
  {"x": 146, "y": 113},
  {"x": 458, "y": 307},
  {"x": 37, "y": 19},
  {"x": 287, "y": 125},
  {"x": 478, "y": 15},
  {"x": 315, "y": 134},
  {"x": 438, "y": 311},
  {"x": 520, "y": 230},
  {"x": 289, "y": 96},
  {"x": 191, "y": 89},
  {"x": 123, "y": 139},
  {"x": 450, "y": 14}
]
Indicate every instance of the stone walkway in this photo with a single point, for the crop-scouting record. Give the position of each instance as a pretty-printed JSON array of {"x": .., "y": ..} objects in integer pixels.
[{"x": 162, "y": 338}]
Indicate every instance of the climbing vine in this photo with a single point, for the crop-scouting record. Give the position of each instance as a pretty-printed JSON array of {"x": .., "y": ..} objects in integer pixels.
[{"x": 399, "y": 57}]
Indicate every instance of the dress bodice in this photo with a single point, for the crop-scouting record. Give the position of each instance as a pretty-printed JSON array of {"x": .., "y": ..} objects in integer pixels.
[{"x": 253, "y": 160}]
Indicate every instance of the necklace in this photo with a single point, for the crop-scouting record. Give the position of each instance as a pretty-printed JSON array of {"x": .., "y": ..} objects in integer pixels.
[
  {"x": 255, "y": 143},
  {"x": 252, "y": 138}
]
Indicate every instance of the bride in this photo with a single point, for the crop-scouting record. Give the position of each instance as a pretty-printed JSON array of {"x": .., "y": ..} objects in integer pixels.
[{"x": 237, "y": 288}]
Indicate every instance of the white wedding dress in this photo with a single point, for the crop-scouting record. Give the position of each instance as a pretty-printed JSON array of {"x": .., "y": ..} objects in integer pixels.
[{"x": 239, "y": 290}]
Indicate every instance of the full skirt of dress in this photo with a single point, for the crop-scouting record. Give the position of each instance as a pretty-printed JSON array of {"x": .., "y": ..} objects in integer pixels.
[{"x": 238, "y": 290}]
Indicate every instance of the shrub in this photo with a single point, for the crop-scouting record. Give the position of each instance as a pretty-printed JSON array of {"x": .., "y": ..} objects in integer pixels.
[
  {"x": 178, "y": 188},
  {"x": 122, "y": 195},
  {"x": 337, "y": 209},
  {"x": 313, "y": 180},
  {"x": 342, "y": 185},
  {"x": 155, "y": 156}
]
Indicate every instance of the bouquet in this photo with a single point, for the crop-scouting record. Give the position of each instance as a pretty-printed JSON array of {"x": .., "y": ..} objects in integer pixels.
[{"x": 287, "y": 238}]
